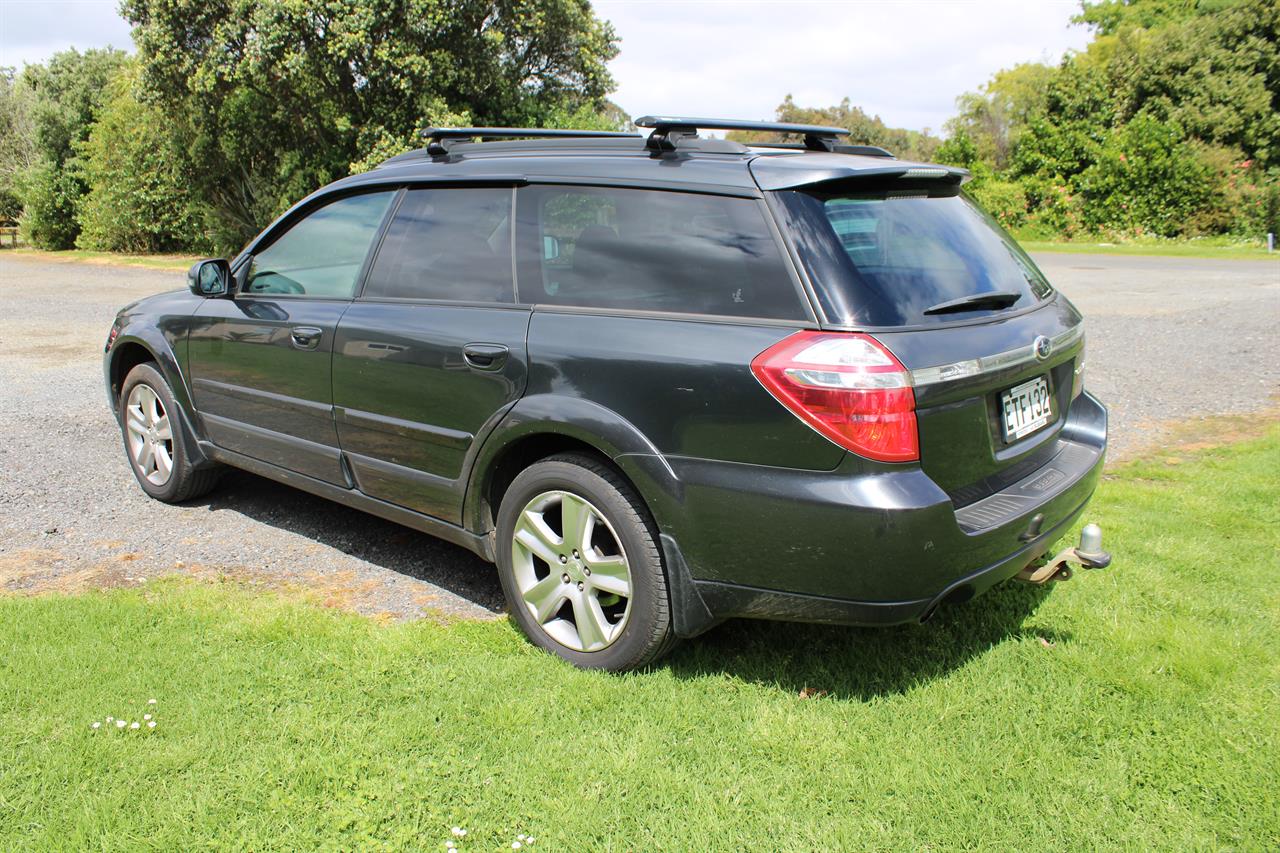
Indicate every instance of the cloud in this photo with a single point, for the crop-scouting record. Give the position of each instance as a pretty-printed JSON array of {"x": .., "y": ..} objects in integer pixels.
[
  {"x": 904, "y": 61},
  {"x": 33, "y": 31}
]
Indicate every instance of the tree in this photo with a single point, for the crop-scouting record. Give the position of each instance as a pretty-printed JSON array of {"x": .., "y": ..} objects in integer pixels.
[
  {"x": 863, "y": 129},
  {"x": 139, "y": 187},
  {"x": 276, "y": 97},
  {"x": 18, "y": 155},
  {"x": 65, "y": 96},
  {"x": 1109, "y": 17},
  {"x": 993, "y": 117}
]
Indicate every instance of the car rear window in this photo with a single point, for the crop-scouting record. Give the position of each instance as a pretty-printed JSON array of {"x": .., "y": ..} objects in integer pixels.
[
  {"x": 884, "y": 257},
  {"x": 652, "y": 251}
]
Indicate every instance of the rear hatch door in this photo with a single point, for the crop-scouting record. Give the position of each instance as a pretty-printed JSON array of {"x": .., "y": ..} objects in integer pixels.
[{"x": 992, "y": 348}]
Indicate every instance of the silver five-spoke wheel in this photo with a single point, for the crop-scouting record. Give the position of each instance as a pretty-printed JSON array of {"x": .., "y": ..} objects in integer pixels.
[
  {"x": 150, "y": 434},
  {"x": 571, "y": 571}
]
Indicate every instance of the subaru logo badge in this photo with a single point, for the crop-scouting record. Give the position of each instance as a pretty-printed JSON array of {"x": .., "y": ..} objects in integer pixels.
[{"x": 1042, "y": 347}]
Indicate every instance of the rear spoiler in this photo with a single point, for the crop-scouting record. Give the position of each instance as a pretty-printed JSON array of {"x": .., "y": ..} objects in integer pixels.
[{"x": 814, "y": 171}]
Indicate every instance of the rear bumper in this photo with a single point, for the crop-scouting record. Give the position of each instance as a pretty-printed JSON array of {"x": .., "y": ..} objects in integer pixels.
[{"x": 858, "y": 546}]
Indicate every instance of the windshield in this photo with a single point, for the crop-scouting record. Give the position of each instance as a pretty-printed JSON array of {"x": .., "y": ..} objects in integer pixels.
[{"x": 886, "y": 257}]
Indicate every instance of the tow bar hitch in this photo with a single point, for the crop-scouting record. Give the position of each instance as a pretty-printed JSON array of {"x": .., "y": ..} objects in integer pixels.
[{"x": 1088, "y": 555}]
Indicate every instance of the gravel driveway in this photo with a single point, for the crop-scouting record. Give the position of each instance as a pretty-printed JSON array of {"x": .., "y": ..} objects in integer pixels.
[{"x": 1168, "y": 340}]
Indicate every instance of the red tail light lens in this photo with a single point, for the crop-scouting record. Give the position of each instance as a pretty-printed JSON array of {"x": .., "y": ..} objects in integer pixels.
[{"x": 849, "y": 388}]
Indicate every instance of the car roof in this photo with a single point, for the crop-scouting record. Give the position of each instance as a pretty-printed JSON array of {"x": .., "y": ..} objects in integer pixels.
[{"x": 708, "y": 165}]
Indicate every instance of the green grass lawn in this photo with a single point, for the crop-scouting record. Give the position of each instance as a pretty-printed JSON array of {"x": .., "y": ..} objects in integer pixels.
[
  {"x": 1134, "y": 708},
  {"x": 1204, "y": 247},
  {"x": 174, "y": 263}
]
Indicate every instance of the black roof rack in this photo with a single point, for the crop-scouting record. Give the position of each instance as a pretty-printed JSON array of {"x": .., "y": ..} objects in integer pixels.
[
  {"x": 437, "y": 146},
  {"x": 668, "y": 130}
]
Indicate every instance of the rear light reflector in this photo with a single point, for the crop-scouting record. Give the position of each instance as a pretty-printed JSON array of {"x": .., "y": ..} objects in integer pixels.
[{"x": 848, "y": 387}]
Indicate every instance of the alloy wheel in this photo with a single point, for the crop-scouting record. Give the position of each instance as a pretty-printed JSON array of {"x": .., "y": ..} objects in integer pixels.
[
  {"x": 571, "y": 571},
  {"x": 150, "y": 434}
]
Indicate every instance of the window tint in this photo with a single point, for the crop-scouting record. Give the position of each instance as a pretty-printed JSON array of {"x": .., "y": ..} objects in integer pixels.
[
  {"x": 884, "y": 257},
  {"x": 321, "y": 255},
  {"x": 652, "y": 251},
  {"x": 447, "y": 244}
]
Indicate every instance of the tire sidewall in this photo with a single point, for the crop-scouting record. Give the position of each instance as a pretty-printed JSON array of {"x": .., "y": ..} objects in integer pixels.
[
  {"x": 637, "y": 540},
  {"x": 147, "y": 374}
]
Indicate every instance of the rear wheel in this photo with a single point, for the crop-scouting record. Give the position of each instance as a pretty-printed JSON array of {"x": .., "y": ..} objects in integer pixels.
[
  {"x": 580, "y": 565},
  {"x": 154, "y": 441}
]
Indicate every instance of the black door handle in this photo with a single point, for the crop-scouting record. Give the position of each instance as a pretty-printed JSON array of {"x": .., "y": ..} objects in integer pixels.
[
  {"x": 305, "y": 337},
  {"x": 485, "y": 356}
]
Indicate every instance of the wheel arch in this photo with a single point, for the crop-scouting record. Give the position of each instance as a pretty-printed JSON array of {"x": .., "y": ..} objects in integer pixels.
[
  {"x": 544, "y": 425},
  {"x": 130, "y": 350}
]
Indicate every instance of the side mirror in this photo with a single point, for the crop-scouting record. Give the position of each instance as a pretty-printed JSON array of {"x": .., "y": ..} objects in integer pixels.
[{"x": 210, "y": 277}]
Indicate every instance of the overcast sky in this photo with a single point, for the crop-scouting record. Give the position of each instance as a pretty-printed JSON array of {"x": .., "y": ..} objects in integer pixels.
[{"x": 904, "y": 61}]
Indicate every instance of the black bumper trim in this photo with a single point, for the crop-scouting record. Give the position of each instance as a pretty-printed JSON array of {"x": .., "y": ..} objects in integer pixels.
[{"x": 699, "y": 605}]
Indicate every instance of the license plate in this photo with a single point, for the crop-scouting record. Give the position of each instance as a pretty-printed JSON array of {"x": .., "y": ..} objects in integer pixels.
[{"x": 1025, "y": 408}]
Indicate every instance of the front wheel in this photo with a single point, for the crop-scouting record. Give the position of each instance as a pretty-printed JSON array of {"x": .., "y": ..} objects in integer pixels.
[
  {"x": 154, "y": 440},
  {"x": 580, "y": 565}
]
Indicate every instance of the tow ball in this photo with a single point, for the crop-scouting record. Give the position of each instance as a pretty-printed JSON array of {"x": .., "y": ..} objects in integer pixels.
[{"x": 1088, "y": 555}]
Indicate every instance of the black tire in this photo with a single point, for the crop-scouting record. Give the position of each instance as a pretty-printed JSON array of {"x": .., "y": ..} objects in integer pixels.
[
  {"x": 647, "y": 633},
  {"x": 184, "y": 482}
]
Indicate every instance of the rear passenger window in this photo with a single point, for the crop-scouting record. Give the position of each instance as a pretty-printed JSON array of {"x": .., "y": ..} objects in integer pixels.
[
  {"x": 450, "y": 244},
  {"x": 653, "y": 251}
]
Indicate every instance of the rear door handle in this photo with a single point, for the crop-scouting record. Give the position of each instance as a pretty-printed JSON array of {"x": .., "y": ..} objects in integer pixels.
[
  {"x": 485, "y": 356},
  {"x": 306, "y": 337}
]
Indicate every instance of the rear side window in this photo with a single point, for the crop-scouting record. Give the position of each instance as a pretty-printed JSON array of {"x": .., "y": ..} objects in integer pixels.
[
  {"x": 322, "y": 253},
  {"x": 886, "y": 257},
  {"x": 450, "y": 244},
  {"x": 652, "y": 251}
]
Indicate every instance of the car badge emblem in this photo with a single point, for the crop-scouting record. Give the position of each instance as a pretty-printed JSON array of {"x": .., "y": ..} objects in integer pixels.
[{"x": 1042, "y": 347}]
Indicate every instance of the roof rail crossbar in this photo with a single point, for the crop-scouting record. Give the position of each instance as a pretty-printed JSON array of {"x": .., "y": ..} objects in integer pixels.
[
  {"x": 669, "y": 130},
  {"x": 439, "y": 137}
]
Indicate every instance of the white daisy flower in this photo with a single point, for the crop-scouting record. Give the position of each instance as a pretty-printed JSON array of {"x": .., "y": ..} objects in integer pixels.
[
  {"x": 135, "y": 725},
  {"x": 120, "y": 724},
  {"x": 151, "y": 701},
  {"x": 151, "y": 725},
  {"x": 516, "y": 845},
  {"x": 111, "y": 719},
  {"x": 146, "y": 716},
  {"x": 458, "y": 832},
  {"x": 96, "y": 724}
]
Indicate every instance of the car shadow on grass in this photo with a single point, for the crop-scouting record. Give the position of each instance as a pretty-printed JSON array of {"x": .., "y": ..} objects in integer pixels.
[
  {"x": 838, "y": 661},
  {"x": 863, "y": 663},
  {"x": 383, "y": 544}
]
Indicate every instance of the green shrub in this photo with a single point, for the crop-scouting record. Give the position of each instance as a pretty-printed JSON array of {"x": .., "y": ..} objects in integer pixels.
[
  {"x": 1006, "y": 201},
  {"x": 50, "y": 201},
  {"x": 1146, "y": 179},
  {"x": 139, "y": 187}
]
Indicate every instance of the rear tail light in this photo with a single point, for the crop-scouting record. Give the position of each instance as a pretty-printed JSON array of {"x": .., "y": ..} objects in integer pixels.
[{"x": 848, "y": 387}]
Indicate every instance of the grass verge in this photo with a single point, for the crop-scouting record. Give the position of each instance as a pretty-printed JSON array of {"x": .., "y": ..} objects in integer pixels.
[
  {"x": 1132, "y": 708},
  {"x": 1197, "y": 248},
  {"x": 177, "y": 263}
]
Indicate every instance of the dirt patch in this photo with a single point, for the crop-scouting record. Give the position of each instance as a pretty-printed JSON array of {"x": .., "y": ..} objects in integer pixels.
[
  {"x": 36, "y": 571},
  {"x": 1171, "y": 441}
]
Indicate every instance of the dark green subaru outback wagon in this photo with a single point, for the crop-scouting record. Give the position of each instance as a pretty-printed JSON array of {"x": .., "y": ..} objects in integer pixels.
[{"x": 660, "y": 380}]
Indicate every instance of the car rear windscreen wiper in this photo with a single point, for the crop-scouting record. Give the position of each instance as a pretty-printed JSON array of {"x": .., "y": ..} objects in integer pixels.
[{"x": 974, "y": 301}]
